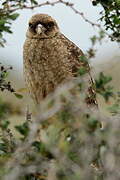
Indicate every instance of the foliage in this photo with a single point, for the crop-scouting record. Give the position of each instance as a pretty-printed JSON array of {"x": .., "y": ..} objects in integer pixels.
[
  {"x": 66, "y": 140},
  {"x": 111, "y": 16},
  {"x": 5, "y": 23},
  {"x": 4, "y": 84},
  {"x": 7, "y": 16},
  {"x": 101, "y": 88},
  {"x": 55, "y": 144},
  {"x": 65, "y": 144}
]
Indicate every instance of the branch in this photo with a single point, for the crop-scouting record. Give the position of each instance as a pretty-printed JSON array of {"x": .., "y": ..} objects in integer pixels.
[
  {"x": 66, "y": 3},
  {"x": 48, "y": 3}
]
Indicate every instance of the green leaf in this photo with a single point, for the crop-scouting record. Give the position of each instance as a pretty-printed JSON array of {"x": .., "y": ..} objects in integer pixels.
[
  {"x": 34, "y": 2},
  {"x": 102, "y": 89},
  {"x": 4, "y": 124},
  {"x": 13, "y": 16},
  {"x": 2, "y": 21},
  {"x": 73, "y": 156},
  {"x": 40, "y": 146},
  {"x": 23, "y": 129},
  {"x": 83, "y": 59},
  {"x": 102, "y": 80},
  {"x": 4, "y": 74},
  {"x": 93, "y": 39},
  {"x": 42, "y": 149},
  {"x": 82, "y": 70},
  {"x": 107, "y": 93},
  {"x": 7, "y": 29},
  {"x": 116, "y": 20},
  {"x": 3, "y": 147},
  {"x": 19, "y": 96}
]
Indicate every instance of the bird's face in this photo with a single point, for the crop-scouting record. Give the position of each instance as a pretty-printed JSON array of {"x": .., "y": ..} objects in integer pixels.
[{"x": 42, "y": 26}]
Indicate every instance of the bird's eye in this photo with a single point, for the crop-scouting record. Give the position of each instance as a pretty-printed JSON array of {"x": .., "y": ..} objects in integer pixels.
[
  {"x": 30, "y": 25},
  {"x": 50, "y": 24}
]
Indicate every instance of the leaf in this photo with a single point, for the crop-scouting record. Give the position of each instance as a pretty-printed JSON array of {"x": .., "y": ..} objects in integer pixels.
[
  {"x": 4, "y": 124},
  {"x": 116, "y": 20},
  {"x": 2, "y": 21},
  {"x": 23, "y": 129},
  {"x": 19, "y": 96},
  {"x": 3, "y": 147},
  {"x": 82, "y": 70},
  {"x": 103, "y": 80},
  {"x": 83, "y": 59},
  {"x": 4, "y": 74},
  {"x": 7, "y": 29},
  {"x": 40, "y": 146},
  {"x": 13, "y": 16},
  {"x": 34, "y": 2},
  {"x": 93, "y": 39}
]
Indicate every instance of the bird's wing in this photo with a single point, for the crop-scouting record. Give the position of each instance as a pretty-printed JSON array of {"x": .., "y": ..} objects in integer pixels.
[
  {"x": 77, "y": 60},
  {"x": 76, "y": 55}
]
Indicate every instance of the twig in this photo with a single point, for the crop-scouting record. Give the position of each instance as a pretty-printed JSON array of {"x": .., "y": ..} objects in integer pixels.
[
  {"x": 66, "y": 3},
  {"x": 28, "y": 115}
]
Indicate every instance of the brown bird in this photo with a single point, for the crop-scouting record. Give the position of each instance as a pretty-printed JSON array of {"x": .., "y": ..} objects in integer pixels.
[{"x": 50, "y": 58}]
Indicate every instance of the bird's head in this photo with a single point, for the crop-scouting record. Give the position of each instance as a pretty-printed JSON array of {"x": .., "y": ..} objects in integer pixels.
[{"x": 42, "y": 26}]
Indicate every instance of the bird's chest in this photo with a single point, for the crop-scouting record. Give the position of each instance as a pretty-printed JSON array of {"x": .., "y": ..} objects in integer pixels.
[
  {"x": 33, "y": 60},
  {"x": 32, "y": 51},
  {"x": 43, "y": 58}
]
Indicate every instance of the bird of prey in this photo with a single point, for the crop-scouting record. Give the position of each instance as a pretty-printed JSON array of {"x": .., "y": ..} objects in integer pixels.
[{"x": 50, "y": 58}]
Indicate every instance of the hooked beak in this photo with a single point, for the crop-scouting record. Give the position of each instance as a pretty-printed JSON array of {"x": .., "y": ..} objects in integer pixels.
[{"x": 40, "y": 29}]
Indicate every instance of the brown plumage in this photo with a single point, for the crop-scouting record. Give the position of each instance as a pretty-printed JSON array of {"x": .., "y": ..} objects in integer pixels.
[{"x": 50, "y": 58}]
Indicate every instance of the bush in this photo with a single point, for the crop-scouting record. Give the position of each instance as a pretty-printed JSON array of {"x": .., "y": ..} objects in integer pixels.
[{"x": 66, "y": 140}]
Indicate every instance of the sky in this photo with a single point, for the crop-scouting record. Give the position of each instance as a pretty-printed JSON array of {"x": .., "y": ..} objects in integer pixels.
[{"x": 71, "y": 24}]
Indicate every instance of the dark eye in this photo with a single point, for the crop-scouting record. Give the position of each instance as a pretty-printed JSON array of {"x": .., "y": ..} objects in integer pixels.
[
  {"x": 50, "y": 24},
  {"x": 31, "y": 25}
]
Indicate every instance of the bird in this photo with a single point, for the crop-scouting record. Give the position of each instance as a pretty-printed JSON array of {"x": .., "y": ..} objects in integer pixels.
[{"x": 50, "y": 59}]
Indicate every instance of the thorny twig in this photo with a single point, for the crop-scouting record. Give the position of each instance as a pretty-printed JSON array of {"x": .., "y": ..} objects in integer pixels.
[{"x": 66, "y": 3}]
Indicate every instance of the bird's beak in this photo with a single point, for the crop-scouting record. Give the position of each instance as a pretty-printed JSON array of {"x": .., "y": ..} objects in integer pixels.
[{"x": 39, "y": 29}]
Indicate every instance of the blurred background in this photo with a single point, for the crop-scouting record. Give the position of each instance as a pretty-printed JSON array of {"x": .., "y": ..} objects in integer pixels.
[{"x": 107, "y": 57}]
